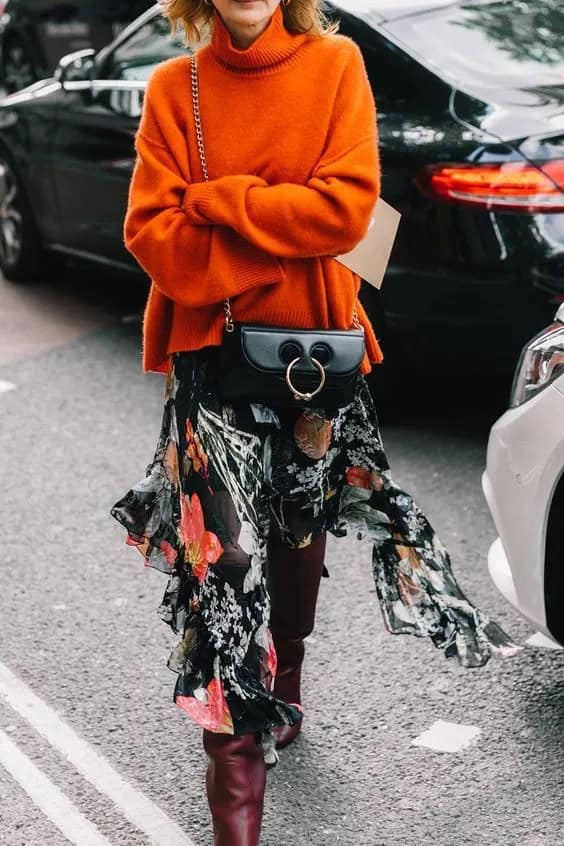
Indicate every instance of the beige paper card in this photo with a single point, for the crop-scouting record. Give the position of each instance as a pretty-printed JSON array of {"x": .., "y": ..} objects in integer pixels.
[{"x": 370, "y": 258}]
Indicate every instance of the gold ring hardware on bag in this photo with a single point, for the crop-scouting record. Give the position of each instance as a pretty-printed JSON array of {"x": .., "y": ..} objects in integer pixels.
[{"x": 298, "y": 395}]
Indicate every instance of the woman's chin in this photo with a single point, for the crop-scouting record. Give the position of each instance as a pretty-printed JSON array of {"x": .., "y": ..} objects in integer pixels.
[{"x": 249, "y": 13}]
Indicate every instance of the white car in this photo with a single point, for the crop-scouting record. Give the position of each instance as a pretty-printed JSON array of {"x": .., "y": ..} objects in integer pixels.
[{"x": 524, "y": 486}]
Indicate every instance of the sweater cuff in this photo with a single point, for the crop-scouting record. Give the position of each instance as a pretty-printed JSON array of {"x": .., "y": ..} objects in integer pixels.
[{"x": 198, "y": 202}]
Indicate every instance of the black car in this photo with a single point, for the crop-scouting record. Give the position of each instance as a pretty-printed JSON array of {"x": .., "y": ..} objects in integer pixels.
[
  {"x": 471, "y": 122},
  {"x": 34, "y": 34}
]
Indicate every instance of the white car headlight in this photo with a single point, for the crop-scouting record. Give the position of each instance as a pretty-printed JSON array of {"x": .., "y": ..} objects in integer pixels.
[{"x": 541, "y": 362}]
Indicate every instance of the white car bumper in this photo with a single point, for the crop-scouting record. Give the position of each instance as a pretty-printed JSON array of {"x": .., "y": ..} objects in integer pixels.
[
  {"x": 500, "y": 572},
  {"x": 525, "y": 461}
]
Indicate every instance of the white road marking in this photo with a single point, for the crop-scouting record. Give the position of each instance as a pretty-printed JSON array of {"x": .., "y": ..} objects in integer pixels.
[
  {"x": 447, "y": 737},
  {"x": 47, "y": 796},
  {"x": 6, "y": 386},
  {"x": 132, "y": 802},
  {"x": 542, "y": 641}
]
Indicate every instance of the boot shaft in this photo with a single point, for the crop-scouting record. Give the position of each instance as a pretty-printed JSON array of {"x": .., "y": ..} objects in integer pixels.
[{"x": 235, "y": 781}]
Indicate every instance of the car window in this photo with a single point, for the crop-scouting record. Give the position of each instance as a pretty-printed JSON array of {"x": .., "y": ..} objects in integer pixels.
[
  {"x": 395, "y": 78},
  {"x": 387, "y": 9},
  {"x": 137, "y": 57},
  {"x": 516, "y": 43},
  {"x": 108, "y": 11}
]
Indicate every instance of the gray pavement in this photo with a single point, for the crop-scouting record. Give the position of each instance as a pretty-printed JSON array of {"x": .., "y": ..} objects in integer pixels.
[{"x": 78, "y": 624}]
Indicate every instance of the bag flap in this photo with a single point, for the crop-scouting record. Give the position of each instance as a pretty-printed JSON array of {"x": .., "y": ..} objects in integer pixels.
[{"x": 268, "y": 348}]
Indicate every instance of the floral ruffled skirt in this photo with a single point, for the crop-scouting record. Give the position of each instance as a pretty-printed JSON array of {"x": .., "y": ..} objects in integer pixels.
[{"x": 224, "y": 478}]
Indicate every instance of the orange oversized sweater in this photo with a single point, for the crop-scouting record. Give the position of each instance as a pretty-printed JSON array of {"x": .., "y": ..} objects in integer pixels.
[{"x": 290, "y": 135}]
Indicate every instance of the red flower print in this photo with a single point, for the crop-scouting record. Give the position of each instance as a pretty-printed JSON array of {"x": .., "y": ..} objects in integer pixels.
[
  {"x": 213, "y": 714},
  {"x": 169, "y": 552},
  {"x": 312, "y": 434},
  {"x": 170, "y": 464},
  {"x": 406, "y": 553},
  {"x": 361, "y": 477},
  {"x": 217, "y": 705},
  {"x": 376, "y": 481},
  {"x": 272, "y": 658},
  {"x": 143, "y": 545},
  {"x": 358, "y": 477},
  {"x": 201, "y": 548},
  {"x": 195, "y": 451},
  {"x": 410, "y": 592}
]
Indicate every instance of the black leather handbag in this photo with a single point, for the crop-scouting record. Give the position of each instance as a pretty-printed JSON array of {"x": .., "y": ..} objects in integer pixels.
[
  {"x": 282, "y": 366},
  {"x": 290, "y": 367}
]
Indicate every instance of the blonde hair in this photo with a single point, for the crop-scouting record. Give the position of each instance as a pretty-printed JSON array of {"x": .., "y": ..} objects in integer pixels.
[{"x": 193, "y": 16}]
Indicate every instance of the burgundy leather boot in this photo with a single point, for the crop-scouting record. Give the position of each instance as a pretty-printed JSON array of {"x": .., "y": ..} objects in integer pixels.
[
  {"x": 293, "y": 576},
  {"x": 235, "y": 781}
]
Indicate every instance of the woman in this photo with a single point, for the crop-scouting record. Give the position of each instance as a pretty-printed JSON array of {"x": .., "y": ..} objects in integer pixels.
[{"x": 238, "y": 500}]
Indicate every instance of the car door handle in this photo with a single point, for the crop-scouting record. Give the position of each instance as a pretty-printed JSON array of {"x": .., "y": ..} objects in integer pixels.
[{"x": 124, "y": 165}]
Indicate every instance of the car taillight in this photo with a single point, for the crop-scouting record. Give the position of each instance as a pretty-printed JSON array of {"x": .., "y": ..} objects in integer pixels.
[{"x": 508, "y": 186}]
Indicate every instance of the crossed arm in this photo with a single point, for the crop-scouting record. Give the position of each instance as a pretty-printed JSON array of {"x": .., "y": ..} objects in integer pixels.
[{"x": 231, "y": 231}]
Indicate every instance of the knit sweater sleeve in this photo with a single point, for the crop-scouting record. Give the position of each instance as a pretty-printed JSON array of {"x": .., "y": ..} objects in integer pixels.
[
  {"x": 328, "y": 215},
  {"x": 193, "y": 265}
]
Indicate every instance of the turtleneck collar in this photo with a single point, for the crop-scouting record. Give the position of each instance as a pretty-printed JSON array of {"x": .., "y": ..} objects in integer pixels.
[{"x": 273, "y": 46}]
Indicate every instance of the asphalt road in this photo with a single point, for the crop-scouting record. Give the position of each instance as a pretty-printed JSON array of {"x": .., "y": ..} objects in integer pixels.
[{"x": 79, "y": 626}]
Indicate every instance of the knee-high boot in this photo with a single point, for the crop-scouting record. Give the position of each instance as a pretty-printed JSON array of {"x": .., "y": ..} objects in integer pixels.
[
  {"x": 235, "y": 782},
  {"x": 294, "y": 576}
]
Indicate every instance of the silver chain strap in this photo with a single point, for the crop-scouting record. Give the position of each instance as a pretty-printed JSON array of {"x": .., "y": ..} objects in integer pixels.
[{"x": 229, "y": 324}]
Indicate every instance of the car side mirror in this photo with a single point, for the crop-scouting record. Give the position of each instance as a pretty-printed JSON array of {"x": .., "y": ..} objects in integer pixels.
[{"x": 75, "y": 67}]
